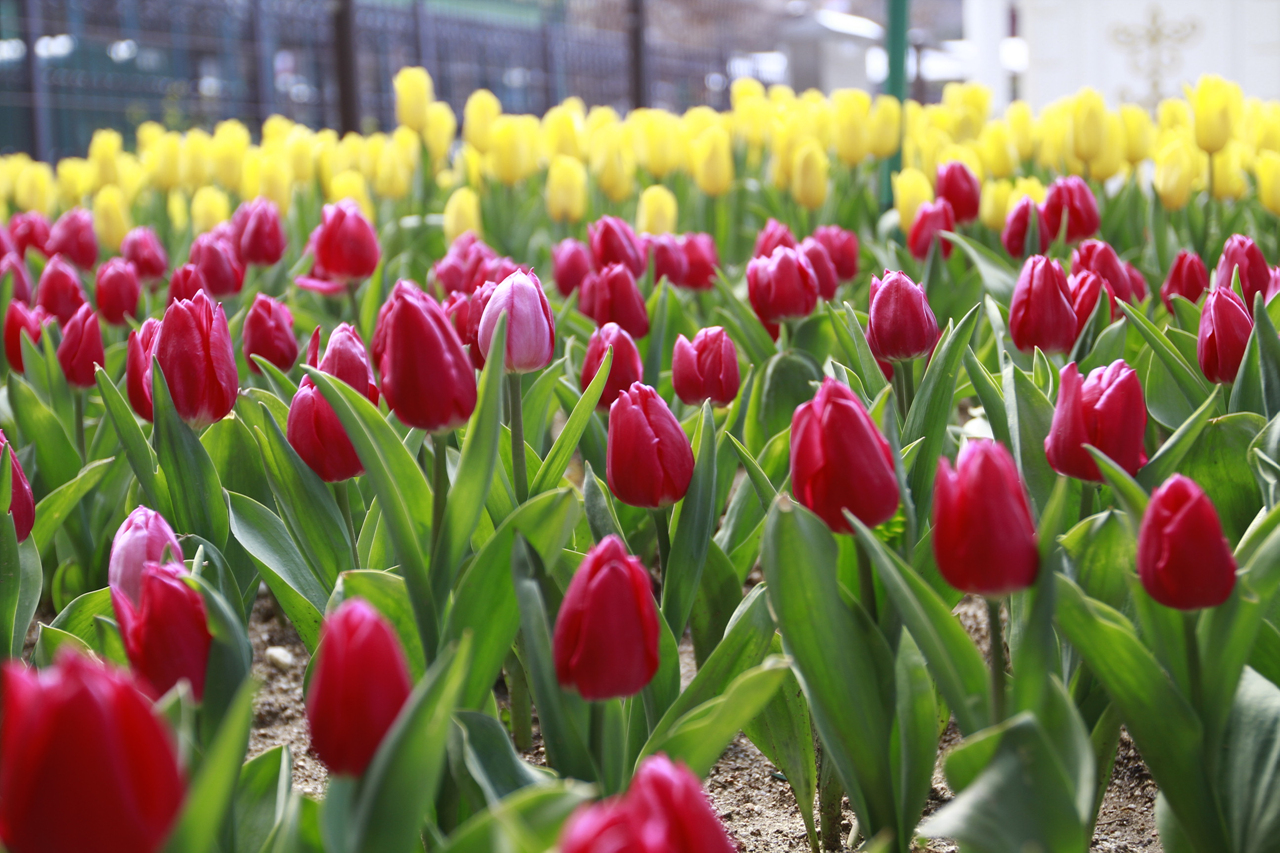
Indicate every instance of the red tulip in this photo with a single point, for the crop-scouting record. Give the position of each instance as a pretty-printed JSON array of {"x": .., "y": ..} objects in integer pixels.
[
  {"x": 900, "y": 324},
  {"x": 531, "y": 327},
  {"x": 1041, "y": 313},
  {"x": 649, "y": 462},
  {"x": 771, "y": 236},
  {"x": 625, "y": 369},
  {"x": 59, "y": 291},
  {"x": 600, "y": 827},
  {"x": 187, "y": 281},
  {"x": 1086, "y": 286},
  {"x": 1225, "y": 326},
  {"x": 1099, "y": 257},
  {"x": 706, "y": 369},
  {"x": 144, "y": 537},
  {"x": 12, "y": 264},
  {"x": 268, "y": 332},
  {"x": 611, "y": 295},
  {"x": 193, "y": 347},
  {"x": 345, "y": 243},
  {"x": 1188, "y": 278},
  {"x": 29, "y": 230},
  {"x": 141, "y": 247},
  {"x": 142, "y": 346},
  {"x": 18, "y": 319},
  {"x": 823, "y": 269},
  {"x": 427, "y": 378},
  {"x": 839, "y": 460},
  {"x": 1137, "y": 282},
  {"x": 463, "y": 267},
  {"x": 606, "y": 636},
  {"x": 1107, "y": 411},
  {"x": 984, "y": 539},
  {"x": 219, "y": 264},
  {"x": 166, "y": 634},
  {"x": 701, "y": 261},
  {"x": 360, "y": 681},
  {"x": 1016, "y": 225},
  {"x": 460, "y": 308},
  {"x": 673, "y": 811},
  {"x": 72, "y": 235},
  {"x": 1240, "y": 252},
  {"x": 259, "y": 237},
  {"x": 959, "y": 187},
  {"x": 842, "y": 246},
  {"x": 613, "y": 242},
  {"x": 117, "y": 289},
  {"x": 313, "y": 428},
  {"x": 782, "y": 285},
  {"x": 669, "y": 260},
  {"x": 81, "y": 348},
  {"x": 22, "y": 504},
  {"x": 1070, "y": 198},
  {"x": 1184, "y": 561},
  {"x": 571, "y": 260},
  {"x": 7, "y": 244},
  {"x": 932, "y": 217},
  {"x": 87, "y": 764}
]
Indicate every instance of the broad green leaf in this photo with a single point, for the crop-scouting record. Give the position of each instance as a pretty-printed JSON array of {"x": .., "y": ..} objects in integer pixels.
[
  {"x": 261, "y": 799},
  {"x": 141, "y": 457},
  {"x": 857, "y": 350},
  {"x": 284, "y": 387},
  {"x": 536, "y": 403},
  {"x": 693, "y": 530},
  {"x": 1218, "y": 462},
  {"x": 57, "y": 460},
  {"x": 990, "y": 395},
  {"x": 1188, "y": 378},
  {"x": 1166, "y": 460},
  {"x": 231, "y": 446},
  {"x": 58, "y": 504},
  {"x": 490, "y": 758},
  {"x": 1248, "y": 774},
  {"x": 390, "y": 597},
  {"x": 719, "y": 594},
  {"x": 1133, "y": 498},
  {"x": 655, "y": 342},
  {"x": 915, "y": 736},
  {"x": 998, "y": 278},
  {"x": 553, "y": 467},
  {"x": 195, "y": 490},
  {"x": 531, "y": 817},
  {"x": 1030, "y": 414}
]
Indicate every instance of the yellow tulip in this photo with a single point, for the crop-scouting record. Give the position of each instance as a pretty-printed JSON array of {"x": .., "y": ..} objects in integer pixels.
[
  {"x": 352, "y": 184},
  {"x": 969, "y": 103},
  {"x": 196, "y": 160},
  {"x": 250, "y": 173},
  {"x": 34, "y": 188},
  {"x": 273, "y": 178},
  {"x": 1139, "y": 133},
  {"x": 512, "y": 156},
  {"x": 469, "y": 164},
  {"x": 131, "y": 177},
  {"x": 461, "y": 214},
  {"x": 276, "y": 128},
  {"x": 751, "y": 120},
  {"x": 658, "y": 141},
  {"x": 442, "y": 127},
  {"x": 104, "y": 147},
  {"x": 712, "y": 162},
  {"x": 599, "y": 117},
  {"x": 1267, "y": 169},
  {"x": 745, "y": 89},
  {"x": 176, "y": 207},
  {"x": 995, "y": 145},
  {"x": 301, "y": 144},
  {"x": 209, "y": 207},
  {"x": 230, "y": 141},
  {"x": 1216, "y": 106},
  {"x": 852, "y": 108},
  {"x": 147, "y": 133},
  {"x": 1175, "y": 170},
  {"x": 575, "y": 105},
  {"x": 566, "y": 189},
  {"x": 110, "y": 217},
  {"x": 884, "y": 126},
  {"x": 781, "y": 93},
  {"x": 952, "y": 153},
  {"x": 1173, "y": 114},
  {"x": 910, "y": 190},
  {"x": 613, "y": 163},
  {"x": 163, "y": 161},
  {"x": 1266, "y": 131},
  {"x": 394, "y": 174},
  {"x": 76, "y": 179},
  {"x": 1228, "y": 173},
  {"x": 1021, "y": 128},
  {"x": 994, "y": 206},
  {"x": 1025, "y": 188},
  {"x": 370, "y": 151},
  {"x": 656, "y": 211},
  {"x": 697, "y": 120},
  {"x": 414, "y": 91},
  {"x": 478, "y": 115},
  {"x": 809, "y": 171},
  {"x": 563, "y": 132},
  {"x": 408, "y": 145},
  {"x": 1088, "y": 124},
  {"x": 1111, "y": 155}
]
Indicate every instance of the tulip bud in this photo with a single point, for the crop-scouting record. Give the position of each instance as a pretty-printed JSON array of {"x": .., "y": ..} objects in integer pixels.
[
  {"x": 313, "y": 428},
  {"x": 1014, "y": 235},
  {"x": 1088, "y": 114},
  {"x": 81, "y": 348},
  {"x": 12, "y": 263},
  {"x": 932, "y": 217},
  {"x": 461, "y": 214},
  {"x": 142, "y": 344},
  {"x": 626, "y": 368},
  {"x": 823, "y": 269},
  {"x": 426, "y": 377},
  {"x": 1086, "y": 287},
  {"x": 611, "y": 295},
  {"x": 656, "y": 210},
  {"x": 600, "y": 826},
  {"x": 1106, "y": 411},
  {"x": 613, "y": 242},
  {"x": 668, "y": 257},
  {"x": 1188, "y": 278},
  {"x": 142, "y": 248},
  {"x": 782, "y": 285},
  {"x": 958, "y": 186},
  {"x": 127, "y": 786},
  {"x": 809, "y": 169},
  {"x": 18, "y": 318},
  {"x": 711, "y": 161},
  {"x": 1184, "y": 561},
  {"x": 900, "y": 324},
  {"x": 59, "y": 291},
  {"x": 468, "y": 264},
  {"x": 144, "y": 537},
  {"x": 1041, "y": 313},
  {"x": 29, "y": 230},
  {"x": 117, "y": 291},
  {"x": 671, "y": 810},
  {"x": 1137, "y": 282},
  {"x": 1177, "y": 165},
  {"x": 706, "y": 369},
  {"x": 1225, "y": 326},
  {"x": 1241, "y": 253},
  {"x": 466, "y": 321},
  {"x": 268, "y": 332},
  {"x": 186, "y": 282},
  {"x": 649, "y": 462},
  {"x": 360, "y": 681},
  {"x": 1070, "y": 197},
  {"x": 1099, "y": 257},
  {"x": 72, "y": 236},
  {"x": 842, "y": 247},
  {"x": 910, "y": 190},
  {"x": 220, "y": 268},
  {"x": 566, "y": 189},
  {"x": 839, "y": 460},
  {"x": 701, "y": 261},
  {"x": 771, "y": 236},
  {"x": 1217, "y": 105},
  {"x": 571, "y": 260},
  {"x": 414, "y": 91},
  {"x": 111, "y": 220},
  {"x": 606, "y": 635},
  {"x": 166, "y": 634},
  {"x": 531, "y": 328},
  {"x": 345, "y": 243},
  {"x": 193, "y": 347},
  {"x": 22, "y": 504},
  {"x": 984, "y": 539},
  {"x": 260, "y": 237}
]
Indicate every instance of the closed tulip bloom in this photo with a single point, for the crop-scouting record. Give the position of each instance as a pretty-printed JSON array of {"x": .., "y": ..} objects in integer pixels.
[
  {"x": 461, "y": 213},
  {"x": 566, "y": 189},
  {"x": 809, "y": 170},
  {"x": 656, "y": 210},
  {"x": 1217, "y": 105},
  {"x": 219, "y": 265},
  {"x": 1137, "y": 283},
  {"x": 313, "y": 428},
  {"x": 613, "y": 242},
  {"x": 1086, "y": 287},
  {"x": 427, "y": 378},
  {"x": 669, "y": 261},
  {"x": 1099, "y": 257},
  {"x": 599, "y": 827},
  {"x": 141, "y": 247},
  {"x": 531, "y": 327},
  {"x": 984, "y": 539},
  {"x": 701, "y": 261},
  {"x": 1139, "y": 133},
  {"x": 72, "y": 236},
  {"x": 466, "y": 316},
  {"x": 1041, "y": 313},
  {"x": 22, "y": 504},
  {"x": 1016, "y": 225},
  {"x": 932, "y": 218},
  {"x": 839, "y": 460},
  {"x": 884, "y": 127},
  {"x": 649, "y": 462},
  {"x": 81, "y": 348},
  {"x": 626, "y": 368},
  {"x": 782, "y": 285},
  {"x": 1088, "y": 115},
  {"x": 672, "y": 811},
  {"x": 571, "y": 260},
  {"x": 261, "y": 238},
  {"x": 142, "y": 344},
  {"x": 345, "y": 243},
  {"x": 611, "y": 295},
  {"x": 911, "y": 189},
  {"x": 111, "y": 220},
  {"x": 1241, "y": 253},
  {"x": 842, "y": 247},
  {"x": 959, "y": 186},
  {"x": 414, "y": 91},
  {"x": 1188, "y": 278},
  {"x": 706, "y": 368},
  {"x": 900, "y": 324},
  {"x": 166, "y": 633},
  {"x": 823, "y": 268},
  {"x": 193, "y": 347},
  {"x": 465, "y": 266},
  {"x": 606, "y": 635},
  {"x": 18, "y": 318},
  {"x": 1070, "y": 198},
  {"x": 771, "y": 236},
  {"x": 711, "y": 154},
  {"x": 117, "y": 289},
  {"x": 1184, "y": 561},
  {"x": 79, "y": 735},
  {"x": 1267, "y": 170},
  {"x": 268, "y": 332},
  {"x": 1177, "y": 167},
  {"x": 59, "y": 291},
  {"x": 29, "y": 230},
  {"x": 1106, "y": 410},
  {"x": 186, "y": 282},
  {"x": 1225, "y": 326},
  {"x": 12, "y": 264},
  {"x": 144, "y": 537}
]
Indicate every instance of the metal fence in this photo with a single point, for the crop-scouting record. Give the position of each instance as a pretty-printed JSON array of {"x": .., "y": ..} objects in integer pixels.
[{"x": 75, "y": 65}]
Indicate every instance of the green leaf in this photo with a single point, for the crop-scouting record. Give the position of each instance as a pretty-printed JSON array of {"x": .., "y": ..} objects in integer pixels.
[
  {"x": 390, "y": 597},
  {"x": 77, "y": 618},
  {"x": 786, "y": 382},
  {"x": 1030, "y": 415},
  {"x": 529, "y": 819},
  {"x": 17, "y": 583},
  {"x": 1268, "y": 357},
  {"x": 857, "y": 350},
  {"x": 693, "y": 529},
  {"x": 760, "y": 482},
  {"x": 751, "y": 335},
  {"x": 1188, "y": 378},
  {"x": 1161, "y": 466},
  {"x": 141, "y": 457},
  {"x": 284, "y": 387},
  {"x": 490, "y": 758},
  {"x": 230, "y": 657},
  {"x": 230, "y": 445},
  {"x": 57, "y": 460},
  {"x": 49, "y": 641},
  {"x": 537, "y": 402},
  {"x": 1131, "y": 495},
  {"x": 553, "y": 467},
  {"x": 598, "y": 502},
  {"x": 53, "y": 510},
  {"x": 990, "y": 395},
  {"x": 656, "y": 341},
  {"x": 1248, "y": 774},
  {"x": 1218, "y": 462},
  {"x": 719, "y": 594},
  {"x": 261, "y": 798},
  {"x": 194, "y": 487},
  {"x": 997, "y": 276},
  {"x": 915, "y": 737}
]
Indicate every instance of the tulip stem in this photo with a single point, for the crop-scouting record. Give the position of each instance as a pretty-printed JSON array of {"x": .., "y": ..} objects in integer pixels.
[
  {"x": 904, "y": 382},
  {"x": 830, "y": 802},
  {"x": 519, "y": 474},
  {"x": 352, "y": 287},
  {"x": 342, "y": 491},
  {"x": 996, "y": 635},
  {"x": 78, "y": 403},
  {"x": 439, "y": 484},
  {"x": 1193, "y": 660},
  {"x": 664, "y": 540},
  {"x": 1087, "y": 491},
  {"x": 521, "y": 706}
]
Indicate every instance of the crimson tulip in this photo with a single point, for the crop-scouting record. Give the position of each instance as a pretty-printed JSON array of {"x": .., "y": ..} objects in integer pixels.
[
  {"x": 137, "y": 374},
  {"x": 1241, "y": 253},
  {"x": 823, "y": 269},
  {"x": 1137, "y": 282},
  {"x": 11, "y": 264},
  {"x": 840, "y": 461},
  {"x": 268, "y": 332},
  {"x": 59, "y": 291},
  {"x": 531, "y": 327},
  {"x": 900, "y": 323},
  {"x": 1016, "y": 225},
  {"x": 193, "y": 347},
  {"x": 669, "y": 260},
  {"x": 219, "y": 264},
  {"x": 932, "y": 217},
  {"x": 141, "y": 247},
  {"x": 72, "y": 236},
  {"x": 166, "y": 633},
  {"x": 1188, "y": 278},
  {"x": 625, "y": 369},
  {"x": 1225, "y": 326},
  {"x": 600, "y": 827},
  {"x": 81, "y": 349},
  {"x": 313, "y": 428},
  {"x": 345, "y": 244},
  {"x": 701, "y": 261},
  {"x": 22, "y": 504},
  {"x": 984, "y": 539},
  {"x": 648, "y": 460},
  {"x": 7, "y": 244},
  {"x": 87, "y": 764},
  {"x": 842, "y": 246},
  {"x": 463, "y": 267},
  {"x": 1099, "y": 257},
  {"x": 961, "y": 189},
  {"x": 459, "y": 308},
  {"x": 571, "y": 260},
  {"x": 771, "y": 236},
  {"x": 782, "y": 285},
  {"x": 606, "y": 636},
  {"x": 1106, "y": 410},
  {"x": 1086, "y": 287},
  {"x": 706, "y": 368},
  {"x": 260, "y": 239},
  {"x": 1184, "y": 561},
  {"x": 144, "y": 537},
  {"x": 29, "y": 230},
  {"x": 18, "y": 318},
  {"x": 359, "y": 683},
  {"x": 117, "y": 289},
  {"x": 186, "y": 282},
  {"x": 611, "y": 295},
  {"x": 1041, "y": 313},
  {"x": 613, "y": 242},
  {"x": 672, "y": 810},
  {"x": 1071, "y": 199}
]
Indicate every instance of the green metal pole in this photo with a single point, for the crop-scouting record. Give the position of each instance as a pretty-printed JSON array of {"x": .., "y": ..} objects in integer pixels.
[{"x": 896, "y": 45}]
